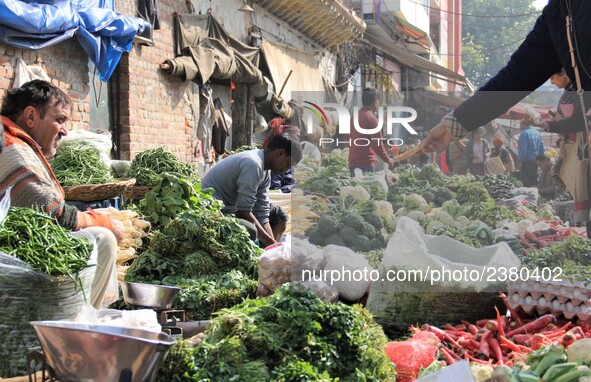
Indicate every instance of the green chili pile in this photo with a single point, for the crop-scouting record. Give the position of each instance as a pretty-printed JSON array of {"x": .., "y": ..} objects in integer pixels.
[
  {"x": 38, "y": 240},
  {"x": 147, "y": 166},
  {"x": 78, "y": 164}
]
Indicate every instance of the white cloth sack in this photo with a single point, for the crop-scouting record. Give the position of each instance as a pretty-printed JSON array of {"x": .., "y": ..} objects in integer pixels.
[{"x": 24, "y": 73}]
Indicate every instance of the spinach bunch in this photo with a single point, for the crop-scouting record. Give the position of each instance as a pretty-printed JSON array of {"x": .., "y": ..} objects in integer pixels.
[
  {"x": 290, "y": 336},
  {"x": 196, "y": 248},
  {"x": 174, "y": 195}
]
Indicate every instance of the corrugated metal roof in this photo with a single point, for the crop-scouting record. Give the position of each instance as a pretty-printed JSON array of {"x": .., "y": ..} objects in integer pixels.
[{"x": 326, "y": 22}]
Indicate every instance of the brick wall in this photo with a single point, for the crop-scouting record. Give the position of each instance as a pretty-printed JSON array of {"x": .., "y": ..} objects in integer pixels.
[
  {"x": 67, "y": 66},
  {"x": 155, "y": 108}
]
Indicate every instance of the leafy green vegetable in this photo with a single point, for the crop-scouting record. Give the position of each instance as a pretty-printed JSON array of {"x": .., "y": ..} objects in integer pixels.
[
  {"x": 179, "y": 363},
  {"x": 572, "y": 256},
  {"x": 328, "y": 181},
  {"x": 492, "y": 215},
  {"x": 204, "y": 295},
  {"x": 196, "y": 244},
  {"x": 208, "y": 255},
  {"x": 292, "y": 336},
  {"x": 173, "y": 196},
  {"x": 473, "y": 193}
]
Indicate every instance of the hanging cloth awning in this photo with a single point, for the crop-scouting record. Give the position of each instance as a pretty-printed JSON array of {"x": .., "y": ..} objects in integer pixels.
[
  {"x": 206, "y": 51},
  {"x": 305, "y": 72},
  {"x": 103, "y": 34}
]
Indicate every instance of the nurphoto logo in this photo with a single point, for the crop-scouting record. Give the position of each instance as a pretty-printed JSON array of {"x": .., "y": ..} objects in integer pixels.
[{"x": 390, "y": 115}]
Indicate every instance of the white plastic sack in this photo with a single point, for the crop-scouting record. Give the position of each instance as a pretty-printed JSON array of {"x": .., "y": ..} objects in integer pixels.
[
  {"x": 412, "y": 287},
  {"x": 308, "y": 260},
  {"x": 101, "y": 140},
  {"x": 275, "y": 266},
  {"x": 321, "y": 289},
  {"x": 347, "y": 271},
  {"x": 29, "y": 295},
  {"x": 311, "y": 151},
  {"x": 410, "y": 248},
  {"x": 293, "y": 260}
]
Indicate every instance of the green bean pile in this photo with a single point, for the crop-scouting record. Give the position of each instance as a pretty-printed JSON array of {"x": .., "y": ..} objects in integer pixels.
[
  {"x": 147, "y": 166},
  {"x": 38, "y": 240},
  {"x": 78, "y": 164}
]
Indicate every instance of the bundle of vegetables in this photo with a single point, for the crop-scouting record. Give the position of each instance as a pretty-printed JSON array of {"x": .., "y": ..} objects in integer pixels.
[
  {"x": 200, "y": 244},
  {"x": 243, "y": 148},
  {"x": 147, "y": 166},
  {"x": 201, "y": 296},
  {"x": 173, "y": 195},
  {"x": 328, "y": 180},
  {"x": 194, "y": 244},
  {"x": 473, "y": 193},
  {"x": 261, "y": 340},
  {"x": 429, "y": 182},
  {"x": 489, "y": 213},
  {"x": 571, "y": 255},
  {"x": 336, "y": 158},
  {"x": 446, "y": 220},
  {"x": 407, "y": 183},
  {"x": 135, "y": 230},
  {"x": 38, "y": 240},
  {"x": 27, "y": 293},
  {"x": 433, "y": 174},
  {"x": 78, "y": 164}
]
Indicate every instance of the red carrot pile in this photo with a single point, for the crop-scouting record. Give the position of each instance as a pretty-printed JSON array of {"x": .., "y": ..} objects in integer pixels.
[{"x": 502, "y": 340}]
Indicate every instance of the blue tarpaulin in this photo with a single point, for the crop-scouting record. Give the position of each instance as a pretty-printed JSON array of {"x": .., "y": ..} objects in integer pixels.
[{"x": 103, "y": 34}]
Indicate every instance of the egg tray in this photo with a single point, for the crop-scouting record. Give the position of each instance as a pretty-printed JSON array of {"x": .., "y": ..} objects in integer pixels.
[{"x": 556, "y": 297}]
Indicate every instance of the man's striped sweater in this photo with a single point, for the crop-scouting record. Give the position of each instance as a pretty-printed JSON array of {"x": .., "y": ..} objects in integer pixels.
[{"x": 24, "y": 168}]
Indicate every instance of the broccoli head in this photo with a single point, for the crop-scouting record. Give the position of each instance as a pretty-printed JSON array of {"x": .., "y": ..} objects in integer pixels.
[
  {"x": 348, "y": 234},
  {"x": 368, "y": 230},
  {"x": 328, "y": 225},
  {"x": 361, "y": 243},
  {"x": 316, "y": 237},
  {"x": 336, "y": 240},
  {"x": 375, "y": 221},
  {"x": 354, "y": 221}
]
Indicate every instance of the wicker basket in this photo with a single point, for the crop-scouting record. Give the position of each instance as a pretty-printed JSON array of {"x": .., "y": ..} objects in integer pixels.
[
  {"x": 136, "y": 192},
  {"x": 93, "y": 192}
]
